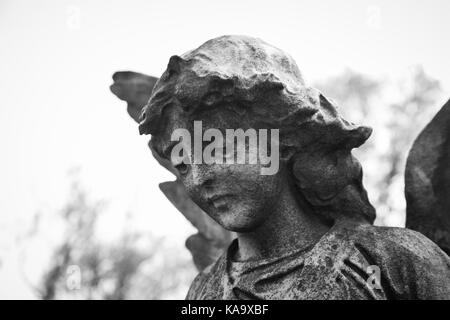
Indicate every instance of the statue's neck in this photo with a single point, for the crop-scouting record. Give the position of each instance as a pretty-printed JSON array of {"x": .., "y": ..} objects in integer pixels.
[{"x": 289, "y": 227}]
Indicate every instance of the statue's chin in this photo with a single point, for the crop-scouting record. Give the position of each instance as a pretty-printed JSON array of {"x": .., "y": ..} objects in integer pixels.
[{"x": 240, "y": 221}]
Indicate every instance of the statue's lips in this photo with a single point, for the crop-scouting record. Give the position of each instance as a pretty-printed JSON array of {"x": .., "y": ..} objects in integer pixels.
[{"x": 220, "y": 200}]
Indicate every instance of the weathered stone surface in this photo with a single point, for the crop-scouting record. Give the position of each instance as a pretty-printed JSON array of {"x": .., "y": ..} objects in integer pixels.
[
  {"x": 305, "y": 232},
  {"x": 340, "y": 265},
  {"x": 211, "y": 240},
  {"x": 427, "y": 181},
  {"x": 134, "y": 88}
]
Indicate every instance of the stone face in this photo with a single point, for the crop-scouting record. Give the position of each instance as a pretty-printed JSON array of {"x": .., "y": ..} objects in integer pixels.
[
  {"x": 427, "y": 181},
  {"x": 211, "y": 240},
  {"x": 306, "y": 231}
]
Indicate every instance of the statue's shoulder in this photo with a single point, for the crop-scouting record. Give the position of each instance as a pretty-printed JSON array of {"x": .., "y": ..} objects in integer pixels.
[
  {"x": 206, "y": 284},
  {"x": 386, "y": 241},
  {"x": 410, "y": 264}
]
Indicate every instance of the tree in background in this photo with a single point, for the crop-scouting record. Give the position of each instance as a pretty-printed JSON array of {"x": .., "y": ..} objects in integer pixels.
[
  {"x": 397, "y": 115},
  {"x": 136, "y": 266}
]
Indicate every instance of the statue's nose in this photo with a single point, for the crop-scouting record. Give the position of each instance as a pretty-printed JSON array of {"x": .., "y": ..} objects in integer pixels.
[{"x": 202, "y": 175}]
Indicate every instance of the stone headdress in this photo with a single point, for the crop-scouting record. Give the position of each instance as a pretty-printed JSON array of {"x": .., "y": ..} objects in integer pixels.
[{"x": 264, "y": 81}]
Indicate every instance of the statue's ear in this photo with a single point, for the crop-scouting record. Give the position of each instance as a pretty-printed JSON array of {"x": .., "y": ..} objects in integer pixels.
[
  {"x": 134, "y": 88},
  {"x": 427, "y": 181}
]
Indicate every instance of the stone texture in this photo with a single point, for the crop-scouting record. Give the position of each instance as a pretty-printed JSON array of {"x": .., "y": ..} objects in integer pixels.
[
  {"x": 427, "y": 181},
  {"x": 411, "y": 267},
  {"x": 134, "y": 88},
  {"x": 305, "y": 232},
  {"x": 211, "y": 240}
]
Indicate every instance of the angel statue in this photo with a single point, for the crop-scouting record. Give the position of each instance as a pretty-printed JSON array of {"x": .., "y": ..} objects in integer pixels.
[{"x": 304, "y": 230}]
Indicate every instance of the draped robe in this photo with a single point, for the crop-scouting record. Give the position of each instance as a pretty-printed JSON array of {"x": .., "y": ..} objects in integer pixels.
[{"x": 341, "y": 265}]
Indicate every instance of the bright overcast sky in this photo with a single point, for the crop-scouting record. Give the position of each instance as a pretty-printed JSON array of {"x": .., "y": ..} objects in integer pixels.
[{"x": 56, "y": 111}]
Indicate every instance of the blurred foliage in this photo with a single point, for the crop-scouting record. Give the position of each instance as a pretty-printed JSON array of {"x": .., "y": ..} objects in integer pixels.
[
  {"x": 136, "y": 266},
  {"x": 397, "y": 112}
]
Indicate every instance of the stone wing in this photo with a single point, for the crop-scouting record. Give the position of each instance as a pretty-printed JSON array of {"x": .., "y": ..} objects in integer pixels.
[
  {"x": 427, "y": 181},
  {"x": 134, "y": 88}
]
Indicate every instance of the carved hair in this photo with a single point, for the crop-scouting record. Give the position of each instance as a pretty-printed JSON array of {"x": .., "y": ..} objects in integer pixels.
[{"x": 266, "y": 83}]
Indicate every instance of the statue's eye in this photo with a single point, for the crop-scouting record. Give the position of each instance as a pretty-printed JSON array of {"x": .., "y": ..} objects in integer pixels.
[{"x": 182, "y": 168}]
